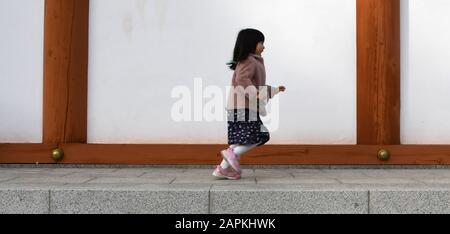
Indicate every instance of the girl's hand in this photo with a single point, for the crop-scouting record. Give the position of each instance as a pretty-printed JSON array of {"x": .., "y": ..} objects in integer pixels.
[{"x": 282, "y": 88}]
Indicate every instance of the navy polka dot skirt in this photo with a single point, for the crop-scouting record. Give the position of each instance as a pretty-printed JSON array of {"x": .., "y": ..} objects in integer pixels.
[{"x": 246, "y": 128}]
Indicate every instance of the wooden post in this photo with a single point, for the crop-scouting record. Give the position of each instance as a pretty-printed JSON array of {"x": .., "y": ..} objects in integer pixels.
[
  {"x": 65, "y": 71},
  {"x": 378, "y": 75}
]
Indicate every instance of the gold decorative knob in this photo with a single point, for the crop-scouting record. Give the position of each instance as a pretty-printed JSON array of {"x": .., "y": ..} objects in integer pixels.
[
  {"x": 57, "y": 154},
  {"x": 384, "y": 155}
]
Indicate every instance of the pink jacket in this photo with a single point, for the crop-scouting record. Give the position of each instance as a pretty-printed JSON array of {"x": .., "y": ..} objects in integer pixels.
[{"x": 249, "y": 76}]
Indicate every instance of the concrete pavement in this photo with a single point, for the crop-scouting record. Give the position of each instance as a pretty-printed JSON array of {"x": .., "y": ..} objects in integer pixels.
[{"x": 193, "y": 190}]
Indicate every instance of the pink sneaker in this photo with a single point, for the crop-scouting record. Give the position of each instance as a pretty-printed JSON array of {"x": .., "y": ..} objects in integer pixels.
[
  {"x": 228, "y": 173},
  {"x": 232, "y": 159}
]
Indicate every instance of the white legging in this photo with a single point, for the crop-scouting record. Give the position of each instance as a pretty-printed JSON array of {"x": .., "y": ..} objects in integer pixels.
[{"x": 241, "y": 149}]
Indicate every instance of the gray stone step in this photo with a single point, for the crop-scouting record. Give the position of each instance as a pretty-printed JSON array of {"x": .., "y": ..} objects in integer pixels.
[{"x": 193, "y": 190}]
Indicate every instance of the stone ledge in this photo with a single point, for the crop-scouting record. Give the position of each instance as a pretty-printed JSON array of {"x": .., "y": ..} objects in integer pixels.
[
  {"x": 223, "y": 199},
  {"x": 189, "y": 190}
]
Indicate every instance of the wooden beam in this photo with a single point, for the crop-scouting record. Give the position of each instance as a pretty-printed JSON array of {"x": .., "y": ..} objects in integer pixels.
[
  {"x": 208, "y": 154},
  {"x": 65, "y": 71},
  {"x": 26, "y": 153},
  {"x": 378, "y": 74}
]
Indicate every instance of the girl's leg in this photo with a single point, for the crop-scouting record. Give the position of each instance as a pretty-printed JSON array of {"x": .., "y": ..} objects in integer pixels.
[
  {"x": 242, "y": 149},
  {"x": 224, "y": 164},
  {"x": 238, "y": 150}
]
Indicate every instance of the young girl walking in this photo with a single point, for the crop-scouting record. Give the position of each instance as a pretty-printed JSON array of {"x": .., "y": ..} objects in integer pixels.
[{"x": 248, "y": 95}]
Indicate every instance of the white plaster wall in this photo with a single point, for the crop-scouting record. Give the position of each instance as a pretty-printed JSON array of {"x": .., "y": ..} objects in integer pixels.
[
  {"x": 21, "y": 68},
  {"x": 141, "y": 49},
  {"x": 425, "y": 111}
]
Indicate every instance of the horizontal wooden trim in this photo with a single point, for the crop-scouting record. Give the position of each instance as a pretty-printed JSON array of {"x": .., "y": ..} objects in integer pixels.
[
  {"x": 175, "y": 154},
  {"x": 26, "y": 153}
]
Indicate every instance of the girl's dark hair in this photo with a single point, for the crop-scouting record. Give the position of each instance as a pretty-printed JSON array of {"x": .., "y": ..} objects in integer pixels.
[{"x": 246, "y": 43}]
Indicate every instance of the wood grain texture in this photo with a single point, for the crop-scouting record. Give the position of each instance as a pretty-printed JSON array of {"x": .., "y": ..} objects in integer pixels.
[
  {"x": 66, "y": 37},
  {"x": 378, "y": 72},
  {"x": 209, "y": 154},
  {"x": 26, "y": 153}
]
